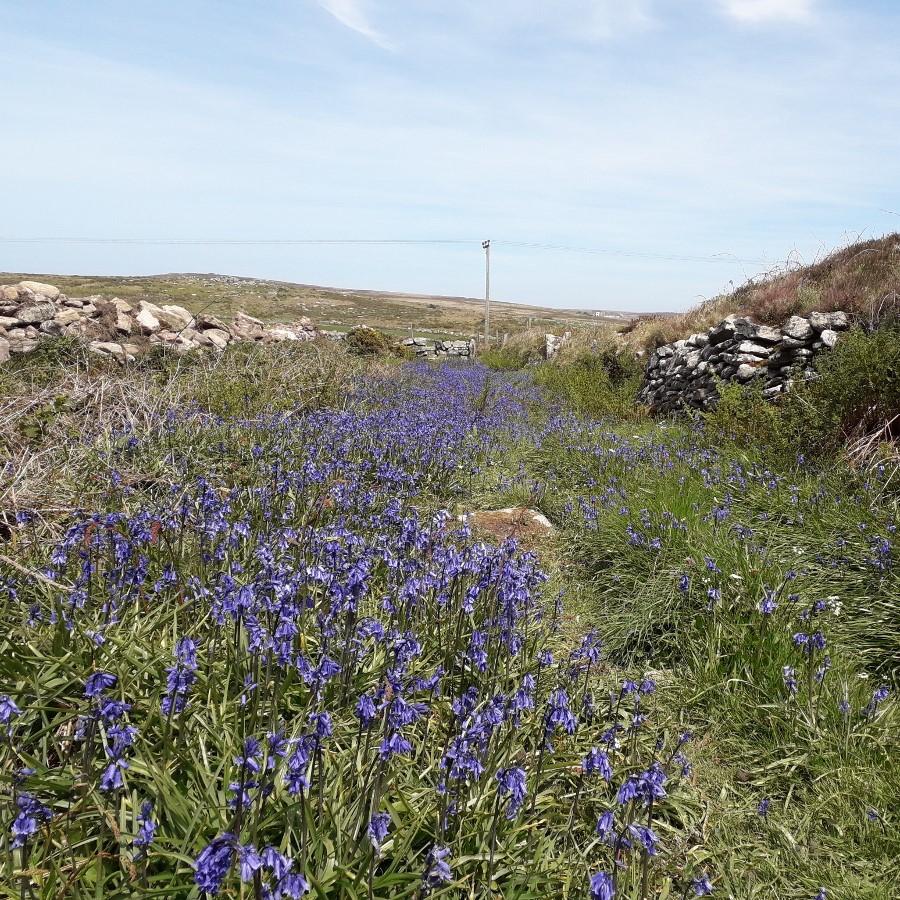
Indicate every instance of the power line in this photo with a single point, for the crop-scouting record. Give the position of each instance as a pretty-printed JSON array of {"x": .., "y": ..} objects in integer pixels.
[
  {"x": 716, "y": 257},
  {"x": 289, "y": 242}
]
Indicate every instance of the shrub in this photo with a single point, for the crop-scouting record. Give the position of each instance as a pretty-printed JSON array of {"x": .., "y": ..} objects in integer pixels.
[
  {"x": 365, "y": 341},
  {"x": 596, "y": 384}
]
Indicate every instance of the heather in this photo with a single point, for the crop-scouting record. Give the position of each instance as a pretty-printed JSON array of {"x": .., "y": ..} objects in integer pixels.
[{"x": 254, "y": 648}]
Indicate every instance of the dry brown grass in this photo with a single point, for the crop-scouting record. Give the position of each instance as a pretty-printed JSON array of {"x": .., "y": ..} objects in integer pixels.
[
  {"x": 862, "y": 279},
  {"x": 59, "y": 409}
]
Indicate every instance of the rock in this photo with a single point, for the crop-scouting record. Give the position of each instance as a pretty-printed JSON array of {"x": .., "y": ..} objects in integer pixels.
[
  {"x": 205, "y": 321},
  {"x": 242, "y": 320},
  {"x": 122, "y": 306},
  {"x": 67, "y": 316},
  {"x": 191, "y": 334},
  {"x": 175, "y": 318},
  {"x": 149, "y": 307},
  {"x": 123, "y": 322},
  {"x": 34, "y": 315},
  {"x": 23, "y": 346},
  {"x": 9, "y": 293},
  {"x": 834, "y": 321},
  {"x": 745, "y": 372},
  {"x": 765, "y": 334},
  {"x": 750, "y": 347},
  {"x": 218, "y": 336},
  {"x": 147, "y": 322},
  {"x": 828, "y": 338},
  {"x": 282, "y": 334},
  {"x": 722, "y": 332},
  {"x": 798, "y": 328},
  {"x": 49, "y": 291},
  {"x": 74, "y": 302},
  {"x": 53, "y": 328},
  {"x": 9, "y": 322},
  {"x": 110, "y": 348},
  {"x": 4, "y": 350},
  {"x": 790, "y": 343},
  {"x": 552, "y": 344}
]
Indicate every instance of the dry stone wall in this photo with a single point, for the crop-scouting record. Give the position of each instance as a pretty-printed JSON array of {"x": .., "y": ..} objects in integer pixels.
[
  {"x": 31, "y": 312},
  {"x": 428, "y": 348},
  {"x": 686, "y": 373}
]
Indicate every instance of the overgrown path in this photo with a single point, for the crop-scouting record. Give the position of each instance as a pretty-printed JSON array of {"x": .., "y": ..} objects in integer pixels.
[{"x": 763, "y": 605}]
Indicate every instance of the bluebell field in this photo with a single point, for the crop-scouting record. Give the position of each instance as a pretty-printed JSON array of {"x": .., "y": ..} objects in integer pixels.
[{"x": 283, "y": 665}]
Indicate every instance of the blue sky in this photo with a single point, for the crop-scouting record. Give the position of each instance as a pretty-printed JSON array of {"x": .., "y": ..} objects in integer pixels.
[{"x": 652, "y": 128}]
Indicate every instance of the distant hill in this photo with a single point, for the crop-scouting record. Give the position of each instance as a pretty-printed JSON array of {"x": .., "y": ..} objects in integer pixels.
[{"x": 328, "y": 307}]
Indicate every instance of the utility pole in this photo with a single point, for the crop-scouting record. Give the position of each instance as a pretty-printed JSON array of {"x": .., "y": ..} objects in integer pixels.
[{"x": 487, "y": 291}]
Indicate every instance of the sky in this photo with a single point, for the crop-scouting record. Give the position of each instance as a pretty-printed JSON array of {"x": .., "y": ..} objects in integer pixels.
[{"x": 689, "y": 144}]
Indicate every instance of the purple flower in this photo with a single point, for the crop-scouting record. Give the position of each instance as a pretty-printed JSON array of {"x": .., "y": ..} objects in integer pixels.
[
  {"x": 378, "y": 829},
  {"x": 250, "y": 861},
  {"x": 213, "y": 863},
  {"x": 606, "y": 826},
  {"x": 602, "y": 887},
  {"x": 8, "y": 709},
  {"x": 646, "y": 837},
  {"x": 597, "y": 761},
  {"x": 790, "y": 681},
  {"x": 365, "y": 710},
  {"x": 437, "y": 870},
  {"x": 512, "y": 782},
  {"x": 98, "y": 683},
  {"x": 293, "y": 886},
  {"x": 395, "y": 745},
  {"x": 147, "y": 827},
  {"x": 26, "y": 822},
  {"x": 763, "y": 808},
  {"x": 702, "y": 886}
]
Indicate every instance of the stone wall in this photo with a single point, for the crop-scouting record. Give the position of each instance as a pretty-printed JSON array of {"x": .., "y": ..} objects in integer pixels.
[
  {"x": 428, "y": 348},
  {"x": 685, "y": 374},
  {"x": 31, "y": 312}
]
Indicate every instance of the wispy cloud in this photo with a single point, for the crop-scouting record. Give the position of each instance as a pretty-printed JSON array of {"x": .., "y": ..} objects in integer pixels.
[
  {"x": 351, "y": 14},
  {"x": 755, "y": 12}
]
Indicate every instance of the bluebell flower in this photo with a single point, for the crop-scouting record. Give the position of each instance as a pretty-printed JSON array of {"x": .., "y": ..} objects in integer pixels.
[
  {"x": 606, "y": 826},
  {"x": 602, "y": 887},
  {"x": 8, "y": 709},
  {"x": 437, "y": 869},
  {"x": 293, "y": 886},
  {"x": 98, "y": 683},
  {"x": 763, "y": 808},
  {"x": 378, "y": 829},
  {"x": 512, "y": 782},
  {"x": 702, "y": 886},
  {"x": 25, "y": 824},
  {"x": 147, "y": 828},
  {"x": 250, "y": 861},
  {"x": 213, "y": 863},
  {"x": 597, "y": 761},
  {"x": 646, "y": 837}
]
